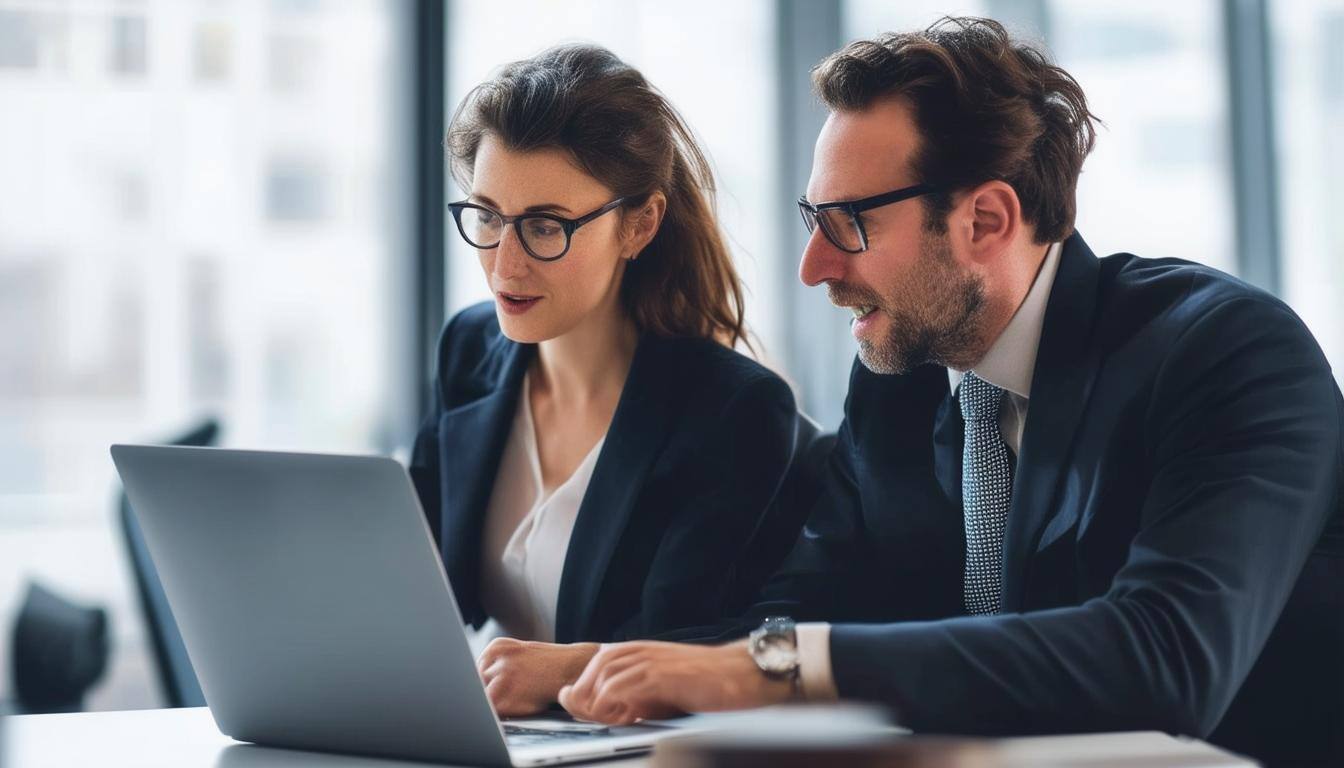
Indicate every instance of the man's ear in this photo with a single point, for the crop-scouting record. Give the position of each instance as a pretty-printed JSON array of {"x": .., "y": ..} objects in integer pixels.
[
  {"x": 990, "y": 216},
  {"x": 642, "y": 224}
]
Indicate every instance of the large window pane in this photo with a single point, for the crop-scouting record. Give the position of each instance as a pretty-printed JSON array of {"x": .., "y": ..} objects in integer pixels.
[
  {"x": 1308, "y": 43},
  {"x": 201, "y": 213},
  {"x": 1160, "y": 180}
]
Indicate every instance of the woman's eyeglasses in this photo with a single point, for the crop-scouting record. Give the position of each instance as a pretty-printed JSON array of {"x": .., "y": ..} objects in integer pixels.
[
  {"x": 840, "y": 221},
  {"x": 545, "y": 236}
]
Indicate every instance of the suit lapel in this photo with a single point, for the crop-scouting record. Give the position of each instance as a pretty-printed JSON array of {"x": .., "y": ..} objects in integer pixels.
[
  {"x": 1066, "y": 367},
  {"x": 638, "y": 431},
  {"x": 472, "y": 438},
  {"x": 949, "y": 442}
]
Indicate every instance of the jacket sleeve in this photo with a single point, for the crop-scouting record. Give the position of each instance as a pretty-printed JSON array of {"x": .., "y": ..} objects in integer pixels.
[
  {"x": 1244, "y": 442},
  {"x": 744, "y": 462}
]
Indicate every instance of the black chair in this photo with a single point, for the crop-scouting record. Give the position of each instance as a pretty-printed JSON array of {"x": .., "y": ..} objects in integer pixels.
[
  {"x": 177, "y": 678},
  {"x": 60, "y": 650}
]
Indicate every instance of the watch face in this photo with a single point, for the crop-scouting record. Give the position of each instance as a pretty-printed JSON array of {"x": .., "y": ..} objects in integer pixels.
[{"x": 775, "y": 653}]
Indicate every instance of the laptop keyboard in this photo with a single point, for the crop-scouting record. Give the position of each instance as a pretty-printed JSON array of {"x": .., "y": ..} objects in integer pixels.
[{"x": 520, "y": 736}]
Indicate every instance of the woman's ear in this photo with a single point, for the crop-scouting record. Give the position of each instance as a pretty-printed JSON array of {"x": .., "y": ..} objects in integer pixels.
[{"x": 642, "y": 224}]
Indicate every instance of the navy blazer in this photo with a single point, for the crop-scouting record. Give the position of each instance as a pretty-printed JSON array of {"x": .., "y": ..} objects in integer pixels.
[
  {"x": 1174, "y": 553},
  {"x": 698, "y": 447}
]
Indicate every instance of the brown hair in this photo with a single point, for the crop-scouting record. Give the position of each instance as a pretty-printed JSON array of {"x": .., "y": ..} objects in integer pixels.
[
  {"x": 987, "y": 108},
  {"x": 622, "y": 131}
]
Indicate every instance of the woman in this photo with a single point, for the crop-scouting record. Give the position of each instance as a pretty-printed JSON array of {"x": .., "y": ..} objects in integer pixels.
[{"x": 598, "y": 457}]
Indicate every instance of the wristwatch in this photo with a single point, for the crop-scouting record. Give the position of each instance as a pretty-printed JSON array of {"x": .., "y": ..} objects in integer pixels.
[{"x": 774, "y": 648}]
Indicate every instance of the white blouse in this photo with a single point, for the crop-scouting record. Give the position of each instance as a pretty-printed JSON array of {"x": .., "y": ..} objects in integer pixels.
[{"x": 526, "y": 533}]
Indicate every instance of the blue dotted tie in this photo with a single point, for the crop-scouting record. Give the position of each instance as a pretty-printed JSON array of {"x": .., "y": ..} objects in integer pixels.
[{"x": 986, "y": 488}]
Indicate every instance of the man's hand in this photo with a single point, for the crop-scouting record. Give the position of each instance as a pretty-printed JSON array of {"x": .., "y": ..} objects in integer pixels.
[
  {"x": 523, "y": 678},
  {"x": 627, "y": 682}
]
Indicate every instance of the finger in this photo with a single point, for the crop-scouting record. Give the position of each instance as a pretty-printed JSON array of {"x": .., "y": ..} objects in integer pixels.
[
  {"x": 579, "y": 706},
  {"x": 611, "y": 703},
  {"x": 495, "y": 693},
  {"x": 647, "y": 695},
  {"x": 610, "y": 659},
  {"x": 492, "y": 672},
  {"x": 614, "y": 668},
  {"x": 504, "y": 696},
  {"x": 487, "y": 658},
  {"x": 581, "y": 690},
  {"x": 573, "y": 704},
  {"x": 618, "y": 714},
  {"x": 608, "y": 711},
  {"x": 629, "y": 689}
]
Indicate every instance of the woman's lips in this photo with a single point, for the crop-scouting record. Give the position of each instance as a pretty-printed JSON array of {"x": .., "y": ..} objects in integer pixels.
[{"x": 516, "y": 303}]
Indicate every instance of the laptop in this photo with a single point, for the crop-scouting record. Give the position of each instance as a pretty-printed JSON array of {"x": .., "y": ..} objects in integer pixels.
[{"x": 315, "y": 609}]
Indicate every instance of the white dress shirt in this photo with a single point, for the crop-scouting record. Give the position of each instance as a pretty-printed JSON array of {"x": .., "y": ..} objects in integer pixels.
[
  {"x": 1009, "y": 364},
  {"x": 526, "y": 533}
]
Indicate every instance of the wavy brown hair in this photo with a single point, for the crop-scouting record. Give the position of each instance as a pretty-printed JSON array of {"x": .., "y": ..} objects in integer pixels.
[
  {"x": 987, "y": 108},
  {"x": 623, "y": 132}
]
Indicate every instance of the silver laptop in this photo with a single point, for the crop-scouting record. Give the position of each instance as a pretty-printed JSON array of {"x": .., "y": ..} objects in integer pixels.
[{"x": 316, "y": 612}]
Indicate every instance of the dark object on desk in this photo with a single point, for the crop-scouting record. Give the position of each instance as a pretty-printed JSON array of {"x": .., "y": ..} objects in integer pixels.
[
  {"x": 909, "y": 753},
  {"x": 1138, "y": 749},
  {"x": 60, "y": 651},
  {"x": 177, "y": 678}
]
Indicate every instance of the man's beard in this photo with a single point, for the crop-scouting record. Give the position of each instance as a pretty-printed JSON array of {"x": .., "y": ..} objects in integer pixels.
[{"x": 933, "y": 318}]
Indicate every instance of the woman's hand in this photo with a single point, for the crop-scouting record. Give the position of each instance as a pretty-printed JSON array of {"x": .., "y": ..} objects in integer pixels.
[{"x": 523, "y": 678}]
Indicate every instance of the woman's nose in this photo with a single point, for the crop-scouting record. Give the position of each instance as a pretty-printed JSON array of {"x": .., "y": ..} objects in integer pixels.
[{"x": 511, "y": 259}]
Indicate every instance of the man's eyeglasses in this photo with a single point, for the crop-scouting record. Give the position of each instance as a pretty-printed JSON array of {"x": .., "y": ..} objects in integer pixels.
[
  {"x": 545, "y": 236},
  {"x": 840, "y": 221}
]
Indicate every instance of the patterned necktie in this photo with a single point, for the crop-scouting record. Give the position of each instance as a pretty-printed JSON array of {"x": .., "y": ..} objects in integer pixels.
[{"x": 986, "y": 487}]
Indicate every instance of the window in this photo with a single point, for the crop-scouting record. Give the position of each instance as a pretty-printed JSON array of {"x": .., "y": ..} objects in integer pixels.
[
  {"x": 202, "y": 212},
  {"x": 1308, "y": 70},
  {"x": 1159, "y": 182}
]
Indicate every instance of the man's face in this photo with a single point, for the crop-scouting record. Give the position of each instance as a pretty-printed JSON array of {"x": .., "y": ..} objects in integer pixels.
[{"x": 914, "y": 298}]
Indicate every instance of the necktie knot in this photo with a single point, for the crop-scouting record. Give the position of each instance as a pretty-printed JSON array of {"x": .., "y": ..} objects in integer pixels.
[{"x": 978, "y": 398}]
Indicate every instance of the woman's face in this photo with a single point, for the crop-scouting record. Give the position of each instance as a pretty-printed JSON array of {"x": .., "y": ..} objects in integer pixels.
[{"x": 537, "y": 300}]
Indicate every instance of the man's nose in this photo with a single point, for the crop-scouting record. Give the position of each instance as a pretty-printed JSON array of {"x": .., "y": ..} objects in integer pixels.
[{"x": 822, "y": 262}]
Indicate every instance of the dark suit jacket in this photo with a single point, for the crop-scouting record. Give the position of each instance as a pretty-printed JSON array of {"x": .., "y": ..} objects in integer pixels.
[
  {"x": 1174, "y": 556},
  {"x": 698, "y": 447}
]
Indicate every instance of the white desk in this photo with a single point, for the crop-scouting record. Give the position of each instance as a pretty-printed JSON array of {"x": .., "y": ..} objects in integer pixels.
[{"x": 187, "y": 738}]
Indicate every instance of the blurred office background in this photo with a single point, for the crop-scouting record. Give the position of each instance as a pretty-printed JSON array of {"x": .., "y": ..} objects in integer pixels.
[{"x": 234, "y": 209}]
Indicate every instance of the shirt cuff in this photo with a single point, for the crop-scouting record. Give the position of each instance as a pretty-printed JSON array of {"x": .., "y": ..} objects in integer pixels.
[{"x": 814, "y": 661}]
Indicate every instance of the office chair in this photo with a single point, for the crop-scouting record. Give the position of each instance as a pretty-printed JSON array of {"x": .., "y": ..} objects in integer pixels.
[
  {"x": 177, "y": 678},
  {"x": 60, "y": 650}
]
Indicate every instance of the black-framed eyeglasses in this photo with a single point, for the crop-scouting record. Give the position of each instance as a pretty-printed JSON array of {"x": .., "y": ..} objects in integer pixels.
[
  {"x": 840, "y": 221},
  {"x": 545, "y": 236}
]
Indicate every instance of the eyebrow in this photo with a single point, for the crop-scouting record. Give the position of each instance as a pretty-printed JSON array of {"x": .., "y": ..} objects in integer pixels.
[{"x": 530, "y": 209}]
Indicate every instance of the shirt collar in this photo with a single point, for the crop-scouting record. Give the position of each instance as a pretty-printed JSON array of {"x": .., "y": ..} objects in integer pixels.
[{"x": 1011, "y": 359}]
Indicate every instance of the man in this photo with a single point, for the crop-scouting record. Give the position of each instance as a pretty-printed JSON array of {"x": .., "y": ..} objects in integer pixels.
[{"x": 1069, "y": 493}]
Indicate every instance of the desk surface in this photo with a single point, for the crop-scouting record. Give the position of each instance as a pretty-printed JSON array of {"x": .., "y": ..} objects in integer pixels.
[{"x": 187, "y": 738}]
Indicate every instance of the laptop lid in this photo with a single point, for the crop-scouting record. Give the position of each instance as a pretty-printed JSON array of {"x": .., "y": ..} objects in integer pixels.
[{"x": 312, "y": 601}]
